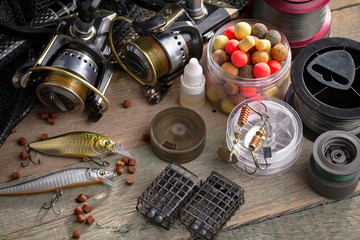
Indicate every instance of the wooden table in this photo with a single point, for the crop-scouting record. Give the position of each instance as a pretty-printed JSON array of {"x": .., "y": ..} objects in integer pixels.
[{"x": 279, "y": 208}]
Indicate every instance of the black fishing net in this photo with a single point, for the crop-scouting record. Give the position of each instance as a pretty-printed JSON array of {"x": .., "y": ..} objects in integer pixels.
[{"x": 15, "y": 103}]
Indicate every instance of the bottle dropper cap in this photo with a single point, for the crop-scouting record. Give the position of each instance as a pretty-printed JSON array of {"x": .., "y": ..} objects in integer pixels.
[{"x": 193, "y": 73}]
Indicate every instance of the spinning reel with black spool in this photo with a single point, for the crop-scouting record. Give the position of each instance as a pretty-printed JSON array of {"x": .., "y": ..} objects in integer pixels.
[{"x": 325, "y": 87}]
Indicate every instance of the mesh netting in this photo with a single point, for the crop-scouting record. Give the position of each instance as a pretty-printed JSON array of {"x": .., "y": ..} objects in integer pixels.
[{"x": 16, "y": 103}]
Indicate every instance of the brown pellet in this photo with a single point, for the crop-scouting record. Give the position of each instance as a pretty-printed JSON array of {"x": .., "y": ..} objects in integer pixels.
[
  {"x": 78, "y": 210},
  {"x": 125, "y": 160},
  {"x": 76, "y": 234},
  {"x": 54, "y": 114},
  {"x": 82, "y": 198},
  {"x": 44, "y": 116},
  {"x": 120, "y": 164},
  {"x": 119, "y": 170},
  {"x": 131, "y": 169},
  {"x": 90, "y": 220},
  {"x": 130, "y": 181},
  {"x": 86, "y": 208},
  {"x": 132, "y": 162},
  {"x": 22, "y": 141},
  {"x": 51, "y": 121},
  {"x": 80, "y": 218},
  {"x": 44, "y": 136},
  {"x": 16, "y": 175},
  {"x": 24, "y": 155},
  {"x": 126, "y": 104},
  {"x": 13, "y": 130},
  {"x": 146, "y": 137}
]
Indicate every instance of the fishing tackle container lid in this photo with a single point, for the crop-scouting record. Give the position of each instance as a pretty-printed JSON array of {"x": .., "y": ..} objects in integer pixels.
[
  {"x": 325, "y": 88},
  {"x": 301, "y": 21},
  {"x": 283, "y": 144},
  {"x": 177, "y": 134}
]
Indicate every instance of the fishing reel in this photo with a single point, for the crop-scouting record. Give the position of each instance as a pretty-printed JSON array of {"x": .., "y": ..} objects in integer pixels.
[
  {"x": 73, "y": 73},
  {"x": 167, "y": 41}
]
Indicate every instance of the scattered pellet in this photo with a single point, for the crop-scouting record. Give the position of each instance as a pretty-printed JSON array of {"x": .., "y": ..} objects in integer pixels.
[
  {"x": 130, "y": 181},
  {"x": 119, "y": 170},
  {"x": 44, "y": 116},
  {"x": 76, "y": 234},
  {"x": 16, "y": 175},
  {"x": 13, "y": 130},
  {"x": 131, "y": 169},
  {"x": 82, "y": 198},
  {"x": 51, "y": 121},
  {"x": 146, "y": 137},
  {"x": 90, "y": 220},
  {"x": 80, "y": 218},
  {"x": 22, "y": 141},
  {"x": 24, "y": 155},
  {"x": 120, "y": 164},
  {"x": 126, "y": 104},
  {"x": 54, "y": 114},
  {"x": 125, "y": 160},
  {"x": 78, "y": 211},
  {"x": 44, "y": 136},
  {"x": 86, "y": 208},
  {"x": 132, "y": 162}
]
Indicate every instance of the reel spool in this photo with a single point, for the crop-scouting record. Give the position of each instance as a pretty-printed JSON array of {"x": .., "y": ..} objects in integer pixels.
[
  {"x": 178, "y": 134},
  {"x": 301, "y": 21},
  {"x": 263, "y": 137},
  {"x": 334, "y": 168},
  {"x": 325, "y": 87}
]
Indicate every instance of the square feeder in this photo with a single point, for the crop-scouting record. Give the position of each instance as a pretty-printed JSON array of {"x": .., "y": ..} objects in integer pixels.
[
  {"x": 163, "y": 199},
  {"x": 212, "y": 206}
]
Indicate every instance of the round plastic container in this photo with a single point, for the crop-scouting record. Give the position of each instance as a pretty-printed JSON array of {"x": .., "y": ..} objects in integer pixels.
[
  {"x": 283, "y": 142},
  {"x": 225, "y": 90}
]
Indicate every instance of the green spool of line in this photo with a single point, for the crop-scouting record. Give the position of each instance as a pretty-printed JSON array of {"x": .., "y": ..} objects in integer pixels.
[
  {"x": 334, "y": 169},
  {"x": 333, "y": 177}
]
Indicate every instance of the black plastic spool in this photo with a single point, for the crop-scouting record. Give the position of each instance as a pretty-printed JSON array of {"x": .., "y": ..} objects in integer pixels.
[
  {"x": 212, "y": 206},
  {"x": 334, "y": 168},
  {"x": 163, "y": 199},
  {"x": 325, "y": 76}
]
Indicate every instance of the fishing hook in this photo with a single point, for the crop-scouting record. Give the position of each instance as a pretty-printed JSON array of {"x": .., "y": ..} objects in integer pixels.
[
  {"x": 53, "y": 202},
  {"x": 102, "y": 162},
  {"x": 29, "y": 158}
]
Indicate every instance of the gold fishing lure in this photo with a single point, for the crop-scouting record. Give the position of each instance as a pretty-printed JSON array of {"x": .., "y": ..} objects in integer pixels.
[{"x": 86, "y": 145}]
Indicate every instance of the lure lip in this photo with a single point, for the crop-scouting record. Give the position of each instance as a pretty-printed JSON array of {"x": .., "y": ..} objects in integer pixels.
[{"x": 118, "y": 149}]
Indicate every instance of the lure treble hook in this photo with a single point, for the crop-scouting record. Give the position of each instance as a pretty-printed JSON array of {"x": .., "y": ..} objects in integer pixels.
[
  {"x": 53, "y": 202},
  {"x": 29, "y": 158},
  {"x": 102, "y": 162}
]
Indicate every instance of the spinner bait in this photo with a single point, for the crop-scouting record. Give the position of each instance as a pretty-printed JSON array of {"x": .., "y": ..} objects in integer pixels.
[
  {"x": 86, "y": 145},
  {"x": 60, "y": 180}
]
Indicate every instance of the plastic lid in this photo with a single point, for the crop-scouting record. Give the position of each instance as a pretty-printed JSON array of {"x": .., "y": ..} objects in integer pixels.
[
  {"x": 297, "y": 6},
  {"x": 178, "y": 134}
]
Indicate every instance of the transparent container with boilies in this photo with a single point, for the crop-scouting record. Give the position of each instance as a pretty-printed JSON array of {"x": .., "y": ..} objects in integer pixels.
[{"x": 227, "y": 85}]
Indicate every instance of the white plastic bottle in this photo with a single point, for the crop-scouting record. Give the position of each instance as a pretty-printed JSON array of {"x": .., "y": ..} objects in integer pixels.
[{"x": 192, "y": 88}]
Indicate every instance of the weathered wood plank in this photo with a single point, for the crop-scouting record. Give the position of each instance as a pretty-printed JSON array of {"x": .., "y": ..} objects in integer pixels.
[{"x": 334, "y": 220}]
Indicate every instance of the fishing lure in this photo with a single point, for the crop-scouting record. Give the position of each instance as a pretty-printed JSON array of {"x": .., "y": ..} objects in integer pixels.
[
  {"x": 86, "y": 145},
  {"x": 60, "y": 180}
]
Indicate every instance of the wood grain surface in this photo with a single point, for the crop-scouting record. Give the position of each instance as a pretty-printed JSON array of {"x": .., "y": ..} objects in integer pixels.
[{"x": 279, "y": 208}]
